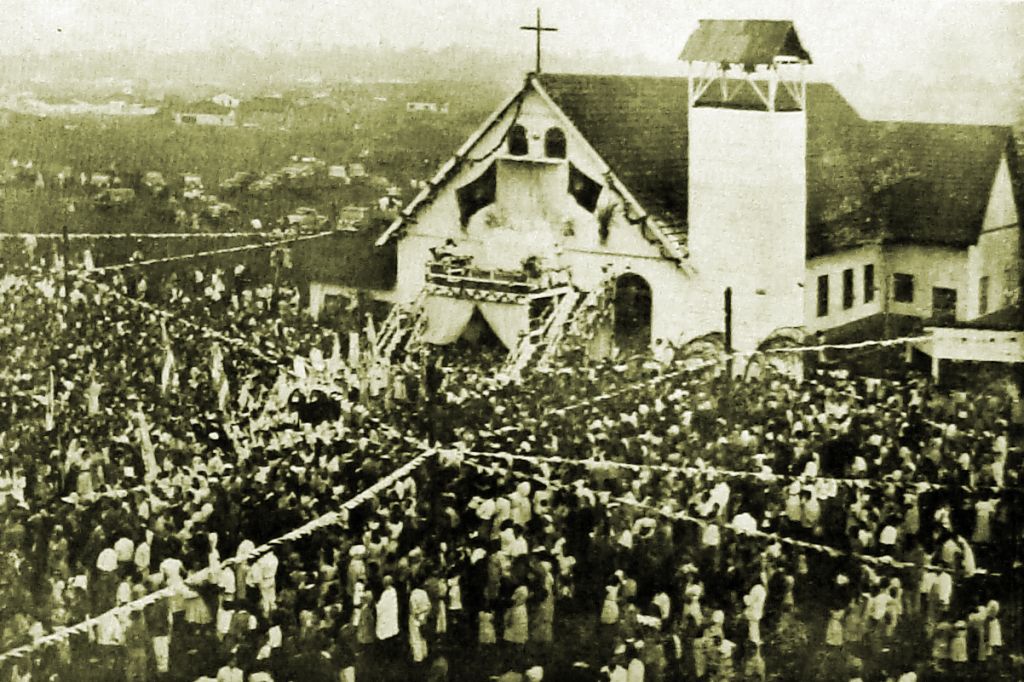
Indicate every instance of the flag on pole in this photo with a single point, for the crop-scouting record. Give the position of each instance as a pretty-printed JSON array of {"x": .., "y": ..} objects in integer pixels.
[
  {"x": 167, "y": 373},
  {"x": 353, "y": 349},
  {"x": 371, "y": 331},
  {"x": 50, "y": 404},
  {"x": 223, "y": 391},
  {"x": 146, "y": 446},
  {"x": 334, "y": 363},
  {"x": 216, "y": 364}
]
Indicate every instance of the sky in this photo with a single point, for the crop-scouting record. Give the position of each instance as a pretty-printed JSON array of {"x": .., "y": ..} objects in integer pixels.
[{"x": 891, "y": 33}]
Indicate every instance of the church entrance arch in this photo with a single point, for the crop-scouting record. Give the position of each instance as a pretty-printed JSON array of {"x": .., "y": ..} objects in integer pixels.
[{"x": 632, "y": 313}]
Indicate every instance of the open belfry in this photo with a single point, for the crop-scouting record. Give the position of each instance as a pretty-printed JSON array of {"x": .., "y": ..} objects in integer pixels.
[{"x": 634, "y": 210}]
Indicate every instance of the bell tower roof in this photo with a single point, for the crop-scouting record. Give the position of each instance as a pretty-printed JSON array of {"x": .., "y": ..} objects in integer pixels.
[{"x": 749, "y": 43}]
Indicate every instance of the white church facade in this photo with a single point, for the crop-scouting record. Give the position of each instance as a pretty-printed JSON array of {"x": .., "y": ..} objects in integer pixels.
[{"x": 661, "y": 194}]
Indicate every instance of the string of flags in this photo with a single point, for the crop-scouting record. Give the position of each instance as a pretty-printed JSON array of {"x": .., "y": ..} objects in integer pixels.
[
  {"x": 128, "y": 235},
  {"x": 328, "y": 519},
  {"x": 709, "y": 471},
  {"x": 203, "y": 254},
  {"x": 747, "y": 530}
]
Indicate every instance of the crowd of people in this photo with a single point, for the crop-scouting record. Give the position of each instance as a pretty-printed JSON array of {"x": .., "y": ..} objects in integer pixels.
[{"x": 631, "y": 519}]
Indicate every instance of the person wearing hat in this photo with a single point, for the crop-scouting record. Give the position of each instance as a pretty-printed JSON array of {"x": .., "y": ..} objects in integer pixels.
[
  {"x": 635, "y": 670},
  {"x": 616, "y": 669}
]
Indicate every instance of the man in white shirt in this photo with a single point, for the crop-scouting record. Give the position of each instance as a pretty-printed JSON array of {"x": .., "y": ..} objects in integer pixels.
[{"x": 387, "y": 613}]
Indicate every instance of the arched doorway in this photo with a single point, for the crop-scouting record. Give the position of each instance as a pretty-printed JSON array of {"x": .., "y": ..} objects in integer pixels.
[{"x": 632, "y": 309}]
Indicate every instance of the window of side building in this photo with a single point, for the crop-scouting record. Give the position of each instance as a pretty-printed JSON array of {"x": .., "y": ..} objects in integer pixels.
[
  {"x": 983, "y": 295},
  {"x": 869, "y": 282},
  {"x": 847, "y": 288},
  {"x": 822, "y": 295},
  {"x": 903, "y": 288}
]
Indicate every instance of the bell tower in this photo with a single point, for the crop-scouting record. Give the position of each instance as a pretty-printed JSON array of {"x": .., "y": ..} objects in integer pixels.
[{"x": 747, "y": 194}]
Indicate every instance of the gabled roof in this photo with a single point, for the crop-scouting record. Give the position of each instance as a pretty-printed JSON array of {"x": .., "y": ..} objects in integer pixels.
[
  {"x": 867, "y": 181},
  {"x": 747, "y": 42},
  {"x": 636, "y": 125},
  {"x": 205, "y": 107}
]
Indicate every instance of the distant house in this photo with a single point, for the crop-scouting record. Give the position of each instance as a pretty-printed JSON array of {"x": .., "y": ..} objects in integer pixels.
[
  {"x": 100, "y": 180},
  {"x": 265, "y": 112},
  {"x": 356, "y": 170},
  {"x": 353, "y": 216},
  {"x": 109, "y": 198},
  {"x": 225, "y": 100},
  {"x": 426, "y": 107},
  {"x": 206, "y": 114}
]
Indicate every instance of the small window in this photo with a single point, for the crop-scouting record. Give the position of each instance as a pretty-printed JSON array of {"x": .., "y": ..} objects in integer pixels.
[
  {"x": 943, "y": 305},
  {"x": 554, "y": 143},
  {"x": 822, "y": 295},
  {"x": 518, "y": 145},
  {"x": 903, "y": 288},
  {"x": 847, "y": 289},
  {"x": 983, "y": 295},
  {"x": 869, "y": 283}
]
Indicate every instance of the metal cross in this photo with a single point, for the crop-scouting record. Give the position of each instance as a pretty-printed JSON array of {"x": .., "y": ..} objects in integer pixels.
[{"x": 538, "y": 29}]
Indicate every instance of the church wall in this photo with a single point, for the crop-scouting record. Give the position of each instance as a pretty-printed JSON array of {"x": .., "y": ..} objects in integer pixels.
[
  {"x": 535, "y": 215},
  {"x": 833, "y": 266},
  {"x": 747, "y": 215}
]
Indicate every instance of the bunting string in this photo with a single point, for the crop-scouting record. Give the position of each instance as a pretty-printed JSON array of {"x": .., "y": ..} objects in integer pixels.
[
  {"x": 884, "y": 560},
  {"x": 130, "y": 235},
  {"x": 203, "y": 254}
]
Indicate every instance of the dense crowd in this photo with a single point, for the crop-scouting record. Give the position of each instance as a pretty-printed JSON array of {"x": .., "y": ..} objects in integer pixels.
[{"x": 633, "y": 519}]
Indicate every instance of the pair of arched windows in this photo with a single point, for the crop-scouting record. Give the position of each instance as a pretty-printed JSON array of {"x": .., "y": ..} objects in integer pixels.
[{"x": 554, "y": 142}]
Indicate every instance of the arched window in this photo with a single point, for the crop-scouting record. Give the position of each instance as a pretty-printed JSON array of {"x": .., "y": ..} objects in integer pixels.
[
  {"x": 554, "y": 143},
  {"x": 518, "y": 145}
]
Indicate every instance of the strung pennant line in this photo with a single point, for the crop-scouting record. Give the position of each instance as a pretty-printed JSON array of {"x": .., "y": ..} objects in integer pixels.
[
  {"x": 715, "y": 472},
  {"x": 886, "y": 561},
  {"x": 64, "y": 633},
  {"x": 870, "y": 343},
  {"x": 129, "y": 235},
  {"x": 203, "y": 254}
]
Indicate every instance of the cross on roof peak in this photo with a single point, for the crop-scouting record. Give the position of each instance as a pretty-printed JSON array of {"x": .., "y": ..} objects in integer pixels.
[{"x": 538, "y": 28}]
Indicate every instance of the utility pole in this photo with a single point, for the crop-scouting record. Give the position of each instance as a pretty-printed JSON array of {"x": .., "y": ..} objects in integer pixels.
[
  {"x": 727, "y": 306},
  {"x": 66, "y": 252}
]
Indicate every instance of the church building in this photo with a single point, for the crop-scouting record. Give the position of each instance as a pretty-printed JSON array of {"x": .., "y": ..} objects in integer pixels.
[{"x": 656, "y": 199}]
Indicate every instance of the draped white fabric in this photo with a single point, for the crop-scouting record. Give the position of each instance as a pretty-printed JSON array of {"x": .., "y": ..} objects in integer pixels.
[
  {"x": 446, "y": 319},
  {"x": 508, "y": 320}
]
